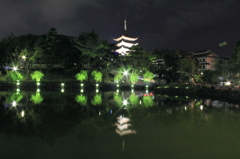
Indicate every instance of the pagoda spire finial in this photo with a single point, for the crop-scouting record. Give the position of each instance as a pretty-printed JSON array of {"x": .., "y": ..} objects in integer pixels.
[{"x": 125, "y": 24}]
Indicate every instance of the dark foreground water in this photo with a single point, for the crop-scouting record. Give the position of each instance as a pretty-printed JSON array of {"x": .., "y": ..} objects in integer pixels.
[{"x": 111, "y": 125}]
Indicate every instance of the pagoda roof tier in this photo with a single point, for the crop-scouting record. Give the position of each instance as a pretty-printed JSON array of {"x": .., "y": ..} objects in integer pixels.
[
  {"x": 123, "y": 47},
  {"x": 128, "y": 41},
  {"x": 122, "y": 50},
  {"x": 127, "y": 44},
  {"x": 125, "y": 38}
]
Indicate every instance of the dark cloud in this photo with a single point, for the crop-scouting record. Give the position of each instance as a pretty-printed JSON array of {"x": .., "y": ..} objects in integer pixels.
[{"x": 189, "y": 25}]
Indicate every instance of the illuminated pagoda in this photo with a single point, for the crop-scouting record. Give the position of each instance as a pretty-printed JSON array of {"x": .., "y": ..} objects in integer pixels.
[{"x": 125, "y": 42}]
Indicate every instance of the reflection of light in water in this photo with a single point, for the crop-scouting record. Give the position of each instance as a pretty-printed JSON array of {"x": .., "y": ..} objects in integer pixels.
[
  {"x": 22, "y": 113},
  {"x": 123, "y": 126},
  {"x": 117, "y": 90},
  {"x": 201, "y": 107},
  {"x": 97, "y": 90},
  {"x": 132, "y": 90},
  {"x": 62, "y": 90},
  {"x": 81, "y": 90},
  {"x": 185, "y": 108},
  {"x": 140, "y": 102},
  {"x": 99, "y": 113}
]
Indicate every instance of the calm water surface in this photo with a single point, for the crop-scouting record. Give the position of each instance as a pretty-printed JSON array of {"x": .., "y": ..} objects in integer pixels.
[{"x": 107, "y": 125}]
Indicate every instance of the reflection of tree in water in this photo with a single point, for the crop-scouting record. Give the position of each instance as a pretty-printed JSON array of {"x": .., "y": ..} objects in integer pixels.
[
  {"x": 37, "y": 98},
  {"x": 81, "y": 99},
  {"x": 97, "y": 100},
  {"x": 13, "y": 96},
  {"x": 147, "y": 101},
  {"x": 134, "y": 100},
  {"x": 85, "y": 122}
]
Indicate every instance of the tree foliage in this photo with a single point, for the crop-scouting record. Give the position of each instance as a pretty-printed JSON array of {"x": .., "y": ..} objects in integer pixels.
[
  {"x": 37, "y": 75},
  {"x": 133, "y": 77},
  {"x": 148, "y": 76},
  {"x": 14, "y": 76},
  {"x": 97, "y": 76},
  {"x": 82, "y": 75}
]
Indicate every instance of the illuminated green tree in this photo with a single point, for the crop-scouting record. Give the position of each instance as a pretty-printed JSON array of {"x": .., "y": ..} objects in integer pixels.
[
  {"x": 37, "y": 98},
  {"x": 82, "y": 75},
  {"x": 81, "y": 99},
  {"x": 97, "y": 76},
  {"x": 148, "y": 76},
  {"x": 118, "y": 77},
  {"x": 133, "y": 78},
  {"x": 14, "y": 76},
  {"x": 97, "y": 99},
  {"x": 37, "y": 75}
]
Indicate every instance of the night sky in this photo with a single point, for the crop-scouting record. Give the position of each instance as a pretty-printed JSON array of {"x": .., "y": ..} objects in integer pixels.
[{"x": 189, "y": 25}]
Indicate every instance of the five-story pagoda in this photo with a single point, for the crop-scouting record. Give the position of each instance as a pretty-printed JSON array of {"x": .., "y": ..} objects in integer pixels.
[{"x": 125, "y": 42}]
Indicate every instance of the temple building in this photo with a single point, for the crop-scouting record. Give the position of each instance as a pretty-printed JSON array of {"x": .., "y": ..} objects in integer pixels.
[{"x": 125, "y": 42}]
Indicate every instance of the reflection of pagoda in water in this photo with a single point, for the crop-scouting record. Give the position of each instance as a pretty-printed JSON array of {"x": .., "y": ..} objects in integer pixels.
[
  {"x": 123, "y": 125},
  {"x": 125, "y": 42}
]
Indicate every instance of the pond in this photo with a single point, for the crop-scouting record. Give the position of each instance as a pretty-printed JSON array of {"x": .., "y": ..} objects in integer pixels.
[{"x": 116, "y": 124}]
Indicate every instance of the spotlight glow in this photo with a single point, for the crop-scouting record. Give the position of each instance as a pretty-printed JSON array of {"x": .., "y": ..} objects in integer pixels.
[
  {"x": 14, "y": 103},
  {"x": 124, "y": 102}
]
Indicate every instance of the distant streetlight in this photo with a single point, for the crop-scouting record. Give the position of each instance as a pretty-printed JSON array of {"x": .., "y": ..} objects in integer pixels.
[{"x": 23, "y": 57}]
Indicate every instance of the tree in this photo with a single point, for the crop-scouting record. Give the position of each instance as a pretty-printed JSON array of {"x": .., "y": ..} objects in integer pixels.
[
  {"x": 92, "y": 49},
  {"x": 188, "y": 67},
  {"x": 148, "y": 76},
  {"x": 133, "y": 78},
  {"x": 8, "y": 51},
  {"x": 14, "y": 76},
  {"x": 97, "y": 76},
  {"x": 117, "y": 78},
  {"x": 137, "y": 59},
  {"x": 82, "y": 75},
  {"x": 37, "y": 75},
  {"x": 49, "y": 45}
]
